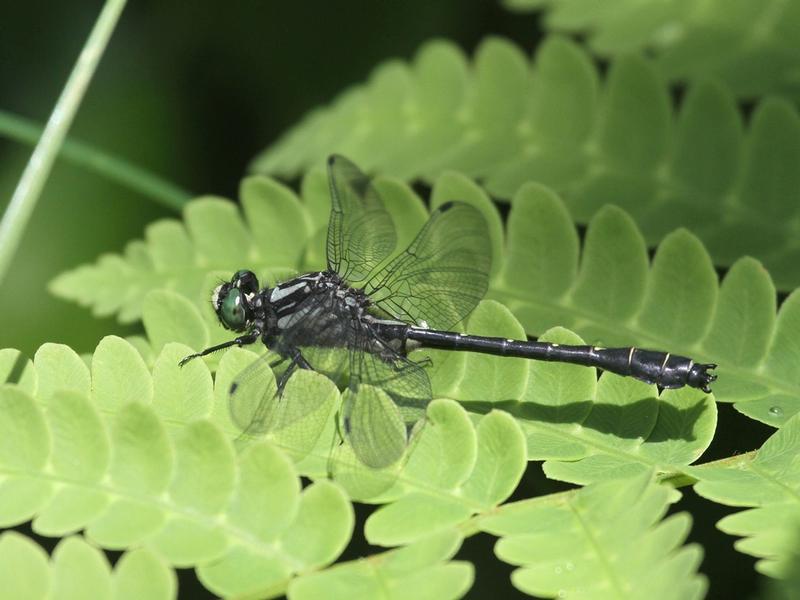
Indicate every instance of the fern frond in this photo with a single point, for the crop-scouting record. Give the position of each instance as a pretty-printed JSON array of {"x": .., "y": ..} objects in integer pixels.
[
  {"x": 607, "y": 291},
  {"x": 586, "y": 430},
  {"x": 16, "y": 368},
  {"x": 768, "y": 483},
  {"x": 610, "y": 295},
  {"x": 501, "y": 122},
  {"x": 625, "y": 426},
  {"x": 752, "y": 47},
  {"x": 140, "y": 457},
  {"x": 135, "y": 458},
  {"x": 456, "y": 471},
  {"x": 77, "y": 570},
  {"x": 179, "y": 256},
  {"x": 616, "y": 530},
  {"x": 419, "y": 570}
]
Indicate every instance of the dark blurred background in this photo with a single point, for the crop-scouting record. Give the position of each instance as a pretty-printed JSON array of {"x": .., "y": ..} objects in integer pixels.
[{"x": 192, "y": 91}]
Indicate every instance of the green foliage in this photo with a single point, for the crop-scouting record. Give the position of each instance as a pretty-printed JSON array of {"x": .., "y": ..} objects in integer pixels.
[
  {"x": 625, "y": 427},
  {"x": 606, "y": 291},
  {"x": 507, "y": 124},
  {"x": 123, "y": 450},
  {"x": 608, "y": 294},
  {"x": 141, "y": 458},
  {"x": 752, "y": 46},
  {"x": 610, "y": 434},
  {"x": 140, "y": 455},
  {"x": 180, "y": 256},
  {"x": 78, "y": 570},
  {"x": 768, "y": 482},
  {"x": 787, "y": 587},
  {"x": 456, "y": 471},
  {"x": 604, "y": 541},
  {"x": 417, "y": 571}
]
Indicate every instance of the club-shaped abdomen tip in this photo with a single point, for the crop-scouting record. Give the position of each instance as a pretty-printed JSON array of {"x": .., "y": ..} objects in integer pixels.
[{"x": 700, "y": 378}]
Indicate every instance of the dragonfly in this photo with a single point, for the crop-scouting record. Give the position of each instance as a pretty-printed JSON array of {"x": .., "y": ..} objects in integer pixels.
[{"x": 358, "y": 320}]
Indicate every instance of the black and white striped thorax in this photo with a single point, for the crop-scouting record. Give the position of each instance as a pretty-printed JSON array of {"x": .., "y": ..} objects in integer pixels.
[
  {"x": 339, "y": 313},
  {"x": 287, "y": 300}
]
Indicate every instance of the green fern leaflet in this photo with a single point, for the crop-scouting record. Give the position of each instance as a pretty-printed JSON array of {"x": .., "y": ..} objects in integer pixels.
[
  {"x": 607, "y": 290},
  {"x": 506, "y": 123},
  {"x": 751, "y": 46}
]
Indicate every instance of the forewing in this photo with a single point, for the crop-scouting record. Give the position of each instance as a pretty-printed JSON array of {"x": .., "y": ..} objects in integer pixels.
[
  {"x": 361, "y": 233},
  {"x": 442, "y": 275}
]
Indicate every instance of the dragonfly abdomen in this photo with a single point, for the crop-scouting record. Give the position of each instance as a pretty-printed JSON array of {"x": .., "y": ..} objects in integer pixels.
[{"x": 661, "y": 368}]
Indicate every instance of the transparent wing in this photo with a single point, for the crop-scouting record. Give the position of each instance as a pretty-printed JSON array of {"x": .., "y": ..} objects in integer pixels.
[
  {"x": 361, "y": 233},
  {"x": 387, "y": 396},
  {"x": 261, "y": 405},
  {"x": 373, "y": 426},
  {"x": 442, "y": 275},
  {"x": 251, "y": 396},
  {"x": 383, "y": 413},
  {"x": 283, "y": 410},
  {"x": 387, "y": 393}
]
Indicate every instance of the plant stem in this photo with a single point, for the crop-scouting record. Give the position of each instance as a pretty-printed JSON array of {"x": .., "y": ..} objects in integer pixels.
[
  {"x": 678, "y": 479},
  {"x": 112, "y": 167},
  {"x": 30, "y": 185}
]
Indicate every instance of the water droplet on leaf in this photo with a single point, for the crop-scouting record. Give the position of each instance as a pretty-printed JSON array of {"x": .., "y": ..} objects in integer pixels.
[{"x": 776, "y": 411}]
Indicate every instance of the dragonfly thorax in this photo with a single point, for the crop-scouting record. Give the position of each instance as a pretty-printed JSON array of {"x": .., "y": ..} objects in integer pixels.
[{"x": 290, "y": 301}]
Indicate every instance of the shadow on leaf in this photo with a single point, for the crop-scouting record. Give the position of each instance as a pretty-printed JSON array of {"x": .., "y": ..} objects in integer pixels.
[{"x": 651, "y": 418}]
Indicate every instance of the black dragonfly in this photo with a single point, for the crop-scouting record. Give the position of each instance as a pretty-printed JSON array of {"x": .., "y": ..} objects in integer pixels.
[{"x": 358, "y": 320}]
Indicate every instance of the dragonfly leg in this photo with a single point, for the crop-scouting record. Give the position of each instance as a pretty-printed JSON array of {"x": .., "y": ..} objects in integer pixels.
[
  {"x": 298, "y": 361},
  {"x": 425, "y": 362},
  {"x": 240, "y": 341}
]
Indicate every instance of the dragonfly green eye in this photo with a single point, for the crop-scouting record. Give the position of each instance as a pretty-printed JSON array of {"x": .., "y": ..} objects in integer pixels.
[{"x": 231, "y": 311}]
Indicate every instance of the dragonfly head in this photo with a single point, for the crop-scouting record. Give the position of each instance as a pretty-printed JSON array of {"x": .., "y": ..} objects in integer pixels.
[{"x": 233, "y": 301}]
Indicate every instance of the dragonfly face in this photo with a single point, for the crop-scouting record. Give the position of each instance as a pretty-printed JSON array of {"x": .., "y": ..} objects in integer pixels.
[{"x": 236, "y": 301}]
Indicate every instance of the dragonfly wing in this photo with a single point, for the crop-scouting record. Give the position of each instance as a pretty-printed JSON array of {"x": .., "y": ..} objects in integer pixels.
[
  {"x": 361, "y": 233},
  {"x": 387, "y": 396},
  {"x": 261, "y": 403},
  {"x": 292, "y": 417},
  {"x": 373, "y": 426},
  {"x": 253, "y": 397},
  {"x": 382, "y": 415},
  {"x": 442, "y": 275}
]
